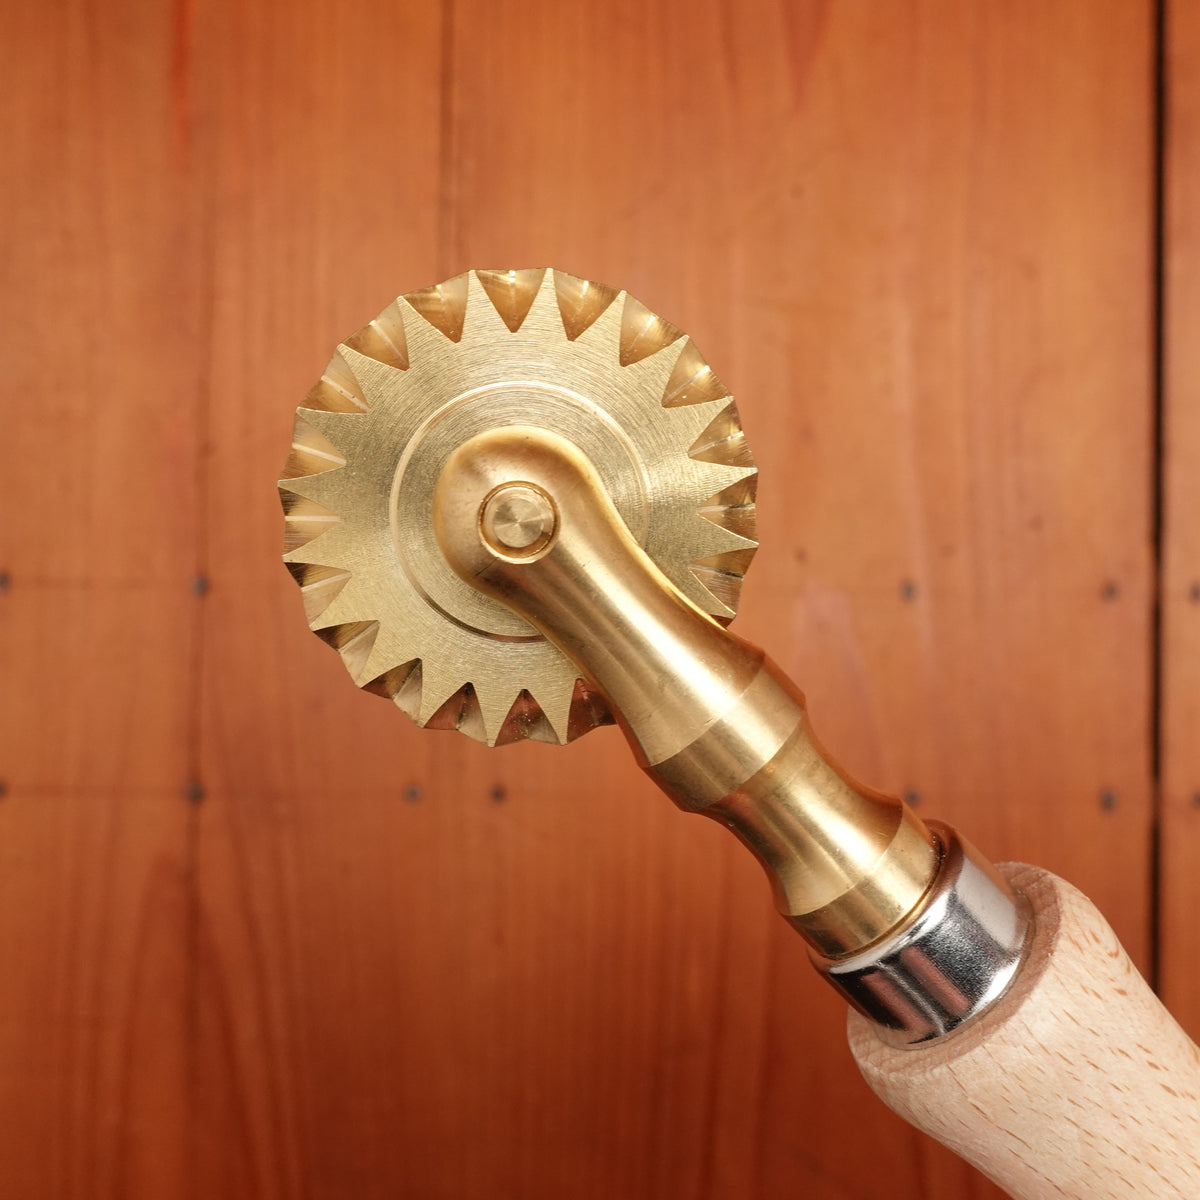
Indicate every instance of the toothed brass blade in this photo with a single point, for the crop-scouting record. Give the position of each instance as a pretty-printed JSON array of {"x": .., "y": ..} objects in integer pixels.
[{"x": 438, "y": 366}]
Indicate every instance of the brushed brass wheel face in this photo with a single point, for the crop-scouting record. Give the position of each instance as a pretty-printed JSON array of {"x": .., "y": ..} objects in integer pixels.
[{"x": 484, "y": 350}]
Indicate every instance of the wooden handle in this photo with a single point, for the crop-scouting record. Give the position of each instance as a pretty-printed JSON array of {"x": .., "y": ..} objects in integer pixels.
[{"x": 1078, "y": 1083}]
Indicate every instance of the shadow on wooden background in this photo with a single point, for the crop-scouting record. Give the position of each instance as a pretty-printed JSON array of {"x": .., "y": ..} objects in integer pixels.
[{"x": 263, "y": 938}]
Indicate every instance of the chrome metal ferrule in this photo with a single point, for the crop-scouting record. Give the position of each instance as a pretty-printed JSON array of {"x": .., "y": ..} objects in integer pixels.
[{"x": 950, "y": 961}]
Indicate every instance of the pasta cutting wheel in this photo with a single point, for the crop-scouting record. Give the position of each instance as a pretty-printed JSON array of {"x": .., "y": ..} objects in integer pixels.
[{"x": 485, "y": 350}]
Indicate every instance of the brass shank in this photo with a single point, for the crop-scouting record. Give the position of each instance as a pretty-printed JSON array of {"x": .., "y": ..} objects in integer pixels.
[{"x": 713, "y": 721}]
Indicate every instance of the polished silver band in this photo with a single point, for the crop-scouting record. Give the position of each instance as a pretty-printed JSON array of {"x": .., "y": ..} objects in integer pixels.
[{"x": 950, "y": 961}]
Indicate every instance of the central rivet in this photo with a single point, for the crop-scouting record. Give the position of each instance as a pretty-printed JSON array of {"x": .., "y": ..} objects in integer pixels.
[{"x": 518, "y": 519}]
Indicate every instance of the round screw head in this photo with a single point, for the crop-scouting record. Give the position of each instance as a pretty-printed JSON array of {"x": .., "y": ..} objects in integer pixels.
[{"x": 518, "y": 519}]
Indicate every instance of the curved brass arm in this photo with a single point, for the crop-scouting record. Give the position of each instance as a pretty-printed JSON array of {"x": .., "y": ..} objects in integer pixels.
[{"x": 521, "y": 515}]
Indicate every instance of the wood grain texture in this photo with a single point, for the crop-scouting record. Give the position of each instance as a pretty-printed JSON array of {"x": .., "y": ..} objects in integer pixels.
[
  {"x": 375, "y": 961},
  {"x": 1078, "y": 1084},
  {"x": 100, "y": 312},
  {"x": 321, "y": 162},
  {"x": 1180, "y": 698}
]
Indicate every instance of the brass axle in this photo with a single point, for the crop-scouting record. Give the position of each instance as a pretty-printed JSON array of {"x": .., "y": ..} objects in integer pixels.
[{"x": 521, "y": 515}]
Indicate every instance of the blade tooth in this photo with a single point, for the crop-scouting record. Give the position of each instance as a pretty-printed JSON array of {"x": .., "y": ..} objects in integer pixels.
[
  {"x": 526, "y": 722},
  {"x": 444, "y": 305},
  {"x": 603, "y": 336},
  {"x": 512, "y": 293},
  {"x": 374, "y": 379},
  {"x": 383, "y": 656},
  {"x": 651, "y": 373},
  {"x": 698, "y": 541},
  {"x": 460, "y": 711},
  {"x": 321, "y": 442},
  {"x": 401, "y": 685},
  {"x": 721, "y": 575},
  {"x": 734, "y": 508},
  {"x": 356, "y": 651},
  {"x": 481, "y": 318},
  {"x": 408, "y": 696},
  {"x": 494, "y": 702},
  {"x": 338, "y": 428},
  {"x": 643, "y": 332},
  {"x": 716, "y": 538},
  {"x": 740, "y": 520},
  {"x": 723, "y": 441},
  {"x": 319, "y": 586},
  {"x": 689, "y": 584},
  {"x": 312, "y": 452},
  {"x": 688, "y": 421},
  {"x": 304, "y": 520},
  {"x": 353, "y": 641},
  {"x": 324, "y": 489},
  {"x": 693, "y": 381},
  {"x": 545, "y": 312},
  {"x": 696, "y": 484},
  {"x": 437, "y": 687},
  {"x": 344, "y": 608},
  {"x": 589, "y": 710},
  {"x": 555, "y": 702},
  {"x": 720, "y": 476},
  {"x": 581, "y": 303},
  {"x": 470, "y": 719},
  {"x": 383, "y": 339},
  {"x": 337, "y": 390},
  {"x": 339, "y": 546}
]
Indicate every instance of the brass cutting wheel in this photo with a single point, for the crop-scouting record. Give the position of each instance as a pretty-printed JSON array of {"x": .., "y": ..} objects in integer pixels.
[{"x": 484, "y": 350}]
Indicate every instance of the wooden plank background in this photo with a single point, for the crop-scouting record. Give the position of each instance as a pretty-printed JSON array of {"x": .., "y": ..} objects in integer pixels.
[{"x": 263, "y": 938}]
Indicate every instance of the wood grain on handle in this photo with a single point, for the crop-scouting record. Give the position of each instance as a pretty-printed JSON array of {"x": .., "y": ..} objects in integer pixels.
[{"x": 1078, "y": 1084}]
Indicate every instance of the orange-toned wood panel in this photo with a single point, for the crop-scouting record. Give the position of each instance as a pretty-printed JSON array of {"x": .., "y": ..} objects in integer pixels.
[
  {"x": 321, "y": 126},
  {"x": 1180, "y": 698},
  {"x": 376, "y": 961},
  {"x": 101, "y": 316}
]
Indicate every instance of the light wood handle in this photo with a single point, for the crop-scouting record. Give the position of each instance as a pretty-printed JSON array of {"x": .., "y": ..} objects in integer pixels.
[{"x": 1078, "y": 1083}]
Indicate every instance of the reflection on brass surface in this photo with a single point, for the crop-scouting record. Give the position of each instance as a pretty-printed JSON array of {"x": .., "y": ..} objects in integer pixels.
[
  {"x": 715, "y": 723},
  {"x": 486, "y": 350},
  {"x": 586, "y": 592},
  {"x": 518, "y": 519},
  {"x": 846, "y": 863}
]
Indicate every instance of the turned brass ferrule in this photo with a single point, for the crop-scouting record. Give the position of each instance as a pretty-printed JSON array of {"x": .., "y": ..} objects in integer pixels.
[{"x": 521, "y": 515}]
